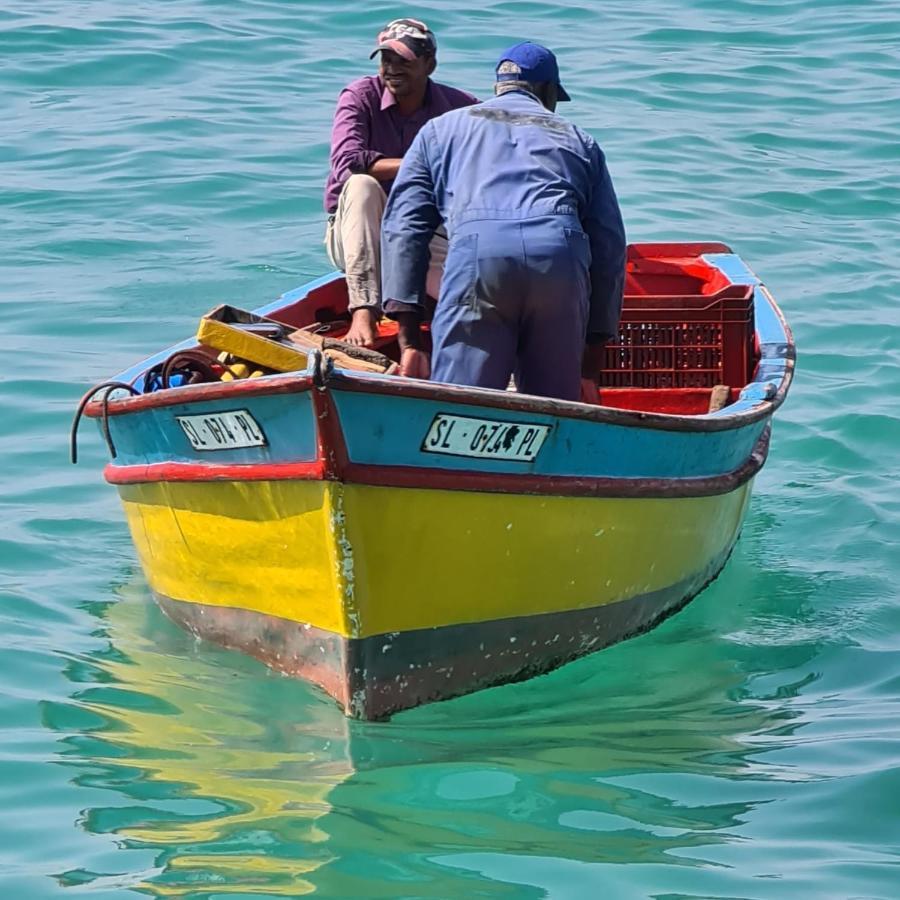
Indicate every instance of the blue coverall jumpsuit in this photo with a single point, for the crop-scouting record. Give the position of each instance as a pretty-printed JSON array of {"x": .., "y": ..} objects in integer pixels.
[{"x": 536, "y": 254}]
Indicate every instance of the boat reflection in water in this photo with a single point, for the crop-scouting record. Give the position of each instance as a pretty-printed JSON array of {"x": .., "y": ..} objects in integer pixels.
[
  {"x": 215, "y": 776},
  {"x": 225, "y": 769}
]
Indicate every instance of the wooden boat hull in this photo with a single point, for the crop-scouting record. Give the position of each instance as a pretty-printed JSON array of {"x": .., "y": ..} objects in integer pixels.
[
  {"x": 357, "y": 545},
  {"x": 318, "y": 591}
]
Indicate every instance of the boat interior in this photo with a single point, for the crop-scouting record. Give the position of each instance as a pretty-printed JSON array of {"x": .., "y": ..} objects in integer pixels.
[{"x": 686, "y": 344}]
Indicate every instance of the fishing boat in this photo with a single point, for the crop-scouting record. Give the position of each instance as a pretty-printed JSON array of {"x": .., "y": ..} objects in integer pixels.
[{"x": 399, "y": 541}]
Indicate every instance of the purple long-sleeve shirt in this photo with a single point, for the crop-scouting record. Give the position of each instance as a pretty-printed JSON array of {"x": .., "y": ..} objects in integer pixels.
[{"x": 368, "y": 127}]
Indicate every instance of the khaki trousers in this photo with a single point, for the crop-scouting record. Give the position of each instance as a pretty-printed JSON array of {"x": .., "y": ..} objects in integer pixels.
[{"x": 353, "y": 243}]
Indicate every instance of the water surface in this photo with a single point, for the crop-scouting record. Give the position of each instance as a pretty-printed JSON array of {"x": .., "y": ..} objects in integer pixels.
[{"x": 160, "y": 158}]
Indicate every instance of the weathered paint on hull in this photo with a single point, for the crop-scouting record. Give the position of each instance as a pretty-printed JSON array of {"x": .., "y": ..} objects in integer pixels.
[
  {"x": 374, "y": 677},
  {"x": 359, "y": 560},
  {"x": 388, "y": 598}
]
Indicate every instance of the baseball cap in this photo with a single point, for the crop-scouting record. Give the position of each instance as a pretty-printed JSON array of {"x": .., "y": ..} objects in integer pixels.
[
  {"x": 408, "y": 37},
  {"x": 530, "y": 62}
]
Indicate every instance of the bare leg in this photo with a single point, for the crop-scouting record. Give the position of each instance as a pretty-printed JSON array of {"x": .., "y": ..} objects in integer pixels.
[{"x": 354, "y": 245}]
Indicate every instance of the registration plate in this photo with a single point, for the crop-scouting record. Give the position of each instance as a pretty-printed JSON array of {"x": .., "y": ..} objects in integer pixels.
[
  {"x": 223, "y": 430},
  {"x": 484, "y": 438}
]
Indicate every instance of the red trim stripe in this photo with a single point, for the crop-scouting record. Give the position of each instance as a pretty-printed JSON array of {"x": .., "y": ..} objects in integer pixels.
[
  {"x": 219, "y": 390},
  {"x": 202, "y": 471},
  {"x": 330, "y": 435},
  {"x": 334, "y": 468},
  {"x": 559, "y": 485}
]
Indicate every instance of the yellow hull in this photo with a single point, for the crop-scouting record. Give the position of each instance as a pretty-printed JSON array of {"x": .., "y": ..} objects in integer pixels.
[
  {"x": 359, "y": 561},
  {"x": 392, "y": 597}
]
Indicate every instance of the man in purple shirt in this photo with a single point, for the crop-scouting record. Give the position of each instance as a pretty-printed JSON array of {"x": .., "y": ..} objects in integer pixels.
[{"x": 376, "y": 120}]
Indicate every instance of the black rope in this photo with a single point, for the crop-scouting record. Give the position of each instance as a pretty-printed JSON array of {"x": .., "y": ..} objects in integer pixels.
[
  {"x": 196, "y": 366},
  {"x": 109, "y": 387}
]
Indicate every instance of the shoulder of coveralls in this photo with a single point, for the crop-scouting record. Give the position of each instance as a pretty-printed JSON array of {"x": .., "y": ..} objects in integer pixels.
[
  {"x": 585, "y": 137},
  {"x": 591, "y": 144},
  {"x": 437, "y": 129},
  {"x": 523, "y": 107}
]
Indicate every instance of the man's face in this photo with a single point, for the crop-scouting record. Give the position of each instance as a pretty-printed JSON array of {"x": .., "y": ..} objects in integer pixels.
[{"x": 405, "y": 76}]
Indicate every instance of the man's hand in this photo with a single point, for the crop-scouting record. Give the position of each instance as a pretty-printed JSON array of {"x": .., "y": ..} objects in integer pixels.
[
  {"x": 592, "y": 359},
  {"x": 591, "y": 369},
  {"x": 590, "y": 391},
  {"x": 414, "y": 363}
]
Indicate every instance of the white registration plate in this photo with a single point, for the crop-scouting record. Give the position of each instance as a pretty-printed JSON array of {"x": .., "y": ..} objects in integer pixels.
[
  {"x": 223, "y": 430},
  {"x": 484, "y": 438}
]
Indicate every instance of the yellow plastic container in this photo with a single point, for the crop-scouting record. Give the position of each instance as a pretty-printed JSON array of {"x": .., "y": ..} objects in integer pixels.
[{"x": 221, "y": 330}]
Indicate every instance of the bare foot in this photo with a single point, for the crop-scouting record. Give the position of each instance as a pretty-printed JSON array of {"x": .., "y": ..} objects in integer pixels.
[{"x": 363, "y": 328}]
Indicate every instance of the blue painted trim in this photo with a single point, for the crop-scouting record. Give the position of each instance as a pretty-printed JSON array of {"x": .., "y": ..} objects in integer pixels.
[
  {"x": 732, "y": 266},
  {"x": 389, "y": 430},
  {"x": 775, "y": 346},
  {"x": 154, "y": 435}
]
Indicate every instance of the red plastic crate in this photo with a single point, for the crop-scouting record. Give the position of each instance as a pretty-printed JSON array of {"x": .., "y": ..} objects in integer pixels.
[{"x": 683, "y": 324}]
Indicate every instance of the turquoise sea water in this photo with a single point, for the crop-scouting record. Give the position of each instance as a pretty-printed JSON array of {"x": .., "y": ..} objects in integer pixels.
[{"x": 158, "y": 158}]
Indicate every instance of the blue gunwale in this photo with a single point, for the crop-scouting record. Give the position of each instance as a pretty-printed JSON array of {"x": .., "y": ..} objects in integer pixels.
[
  {"x": 706, "y": 445},
  {"x": 760, "y": 397}
]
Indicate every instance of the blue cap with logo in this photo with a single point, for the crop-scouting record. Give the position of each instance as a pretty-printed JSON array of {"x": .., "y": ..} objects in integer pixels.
[{"x": 530, "y": 62}]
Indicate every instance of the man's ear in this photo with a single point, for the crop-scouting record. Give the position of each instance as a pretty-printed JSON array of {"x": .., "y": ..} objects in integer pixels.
[{"x": 432, "y": 65}]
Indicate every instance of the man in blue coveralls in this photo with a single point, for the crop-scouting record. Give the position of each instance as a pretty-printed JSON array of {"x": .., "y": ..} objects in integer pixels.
[{"x": 536, "y": 262}]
